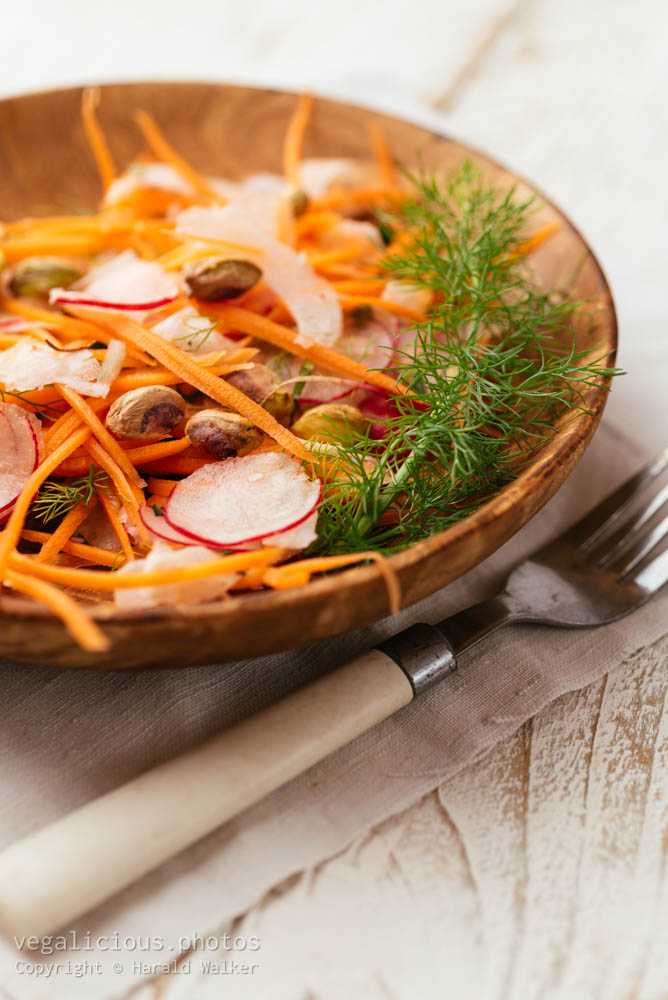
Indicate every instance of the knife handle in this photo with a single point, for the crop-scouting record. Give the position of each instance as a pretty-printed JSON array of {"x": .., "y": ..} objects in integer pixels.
[{"x": 65, "y": 869}]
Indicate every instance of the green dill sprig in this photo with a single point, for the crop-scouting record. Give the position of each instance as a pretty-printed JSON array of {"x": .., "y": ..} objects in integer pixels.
[
  {"x": 486, "y": 374},
  {"x": 45, "y": 411},
  {"x": 56, "y": 499}
]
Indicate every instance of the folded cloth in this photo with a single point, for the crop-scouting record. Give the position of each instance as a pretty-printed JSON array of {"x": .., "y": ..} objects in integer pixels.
[{"x": 66, "y": 737}]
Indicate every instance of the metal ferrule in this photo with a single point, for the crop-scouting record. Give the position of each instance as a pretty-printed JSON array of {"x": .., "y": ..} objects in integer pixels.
[{"x": 424, "y": 655}]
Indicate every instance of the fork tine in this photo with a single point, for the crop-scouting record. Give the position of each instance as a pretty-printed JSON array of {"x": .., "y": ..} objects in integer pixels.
[
  {"x": 633, "y": 526},
  {"x": 590, "y": 530},
  {"x": 652, "y": 576},
  {"x": 643, "y": 547}
]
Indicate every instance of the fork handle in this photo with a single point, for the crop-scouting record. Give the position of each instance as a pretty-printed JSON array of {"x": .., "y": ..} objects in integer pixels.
[{"x": 63, "y": 870}]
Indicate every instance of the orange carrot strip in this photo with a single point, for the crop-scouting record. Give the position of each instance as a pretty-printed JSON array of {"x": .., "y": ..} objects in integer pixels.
[
  {"x": 89, "y": 579},
  {"x": 196, "y": 375},
  {"x": 327, "y": 257},
  {"x": 119, "y": 528},
  {"x": 91, "y": 553},
  {"x": 298, "y": 574},
  {"x": 178, "y": 466},
  {"x": 78, "y": 465},
  {"x": 100, "y": 432},
  {"x": 359, "y": 286},
  {"x": 98, "y": 144},
  {"x": 294, "y": 138},
  {"x": 162, "y": 487},
  {"x": 383, "y": 155},
  {"x": 130, "y": 496},
  {"x": 538, "y": 237},
  {"x": 64, "y": 532},
  {"x": 286, "y": 340},
  {"x": 12, "y": 530},
  {"x": 66, "y": 326},
  {"x": 16, "y": 249},
  {"x": 78, "y": 623},
  {"x": 161, "y": 376},
  {"x": 163, "y": 150}
]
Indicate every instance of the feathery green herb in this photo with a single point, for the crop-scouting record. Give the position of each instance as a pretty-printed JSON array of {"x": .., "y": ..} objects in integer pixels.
[
  {"x": 487, "y": 372},
  {"x": 55, "y": 499}
]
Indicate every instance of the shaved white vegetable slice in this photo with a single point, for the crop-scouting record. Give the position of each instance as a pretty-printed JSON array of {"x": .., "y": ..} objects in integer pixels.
[
  {"x": 193, "y": 333},
  {"x": 311, "y": 300},
  {"x": 113, "y": 361},
  {"x": 32, "y": 365},
  {"x": 19, "y": 454},
  {"x": 243, "y": 500},
  {"x": 162, "y": 556},
  {"x": 124, "y": 280}
]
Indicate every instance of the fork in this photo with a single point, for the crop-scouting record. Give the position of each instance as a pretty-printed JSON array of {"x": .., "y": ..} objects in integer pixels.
[{"x": 605, "y": 566}]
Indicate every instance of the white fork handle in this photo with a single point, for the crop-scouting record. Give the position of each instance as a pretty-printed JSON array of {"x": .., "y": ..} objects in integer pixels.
[{"x": 65, "y": 869}]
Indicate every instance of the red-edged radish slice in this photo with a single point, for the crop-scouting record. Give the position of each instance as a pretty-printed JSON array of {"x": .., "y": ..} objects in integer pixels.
[
  {"x": 123, "y": 282},
  {"x": 161, "y": 528},
  {"x": 243, "y": 500},
  {"x": 327, "y": 389},
  {"x": 19, "y": 454},
  {"x": 68, "y": 298}
]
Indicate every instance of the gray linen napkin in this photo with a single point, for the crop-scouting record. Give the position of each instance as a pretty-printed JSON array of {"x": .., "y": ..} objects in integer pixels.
[{"x": 66, "y": 737}]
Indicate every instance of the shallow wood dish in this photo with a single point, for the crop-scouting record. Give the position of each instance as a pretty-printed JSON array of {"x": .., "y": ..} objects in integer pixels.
[{"x": 230, "y": 131}]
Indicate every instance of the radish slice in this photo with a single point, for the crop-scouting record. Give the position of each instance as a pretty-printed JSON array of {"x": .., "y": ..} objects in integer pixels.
[
  {"x": 243, "y": 500},
  {"x": 19, "y": 454},
  {"x": 113, "y": 361},
  {"x": 124, "y": 282},
  {"x": 72, "y": 298},
  {"x": 161, "y": 528},
  {"x": 372, "y": 344},
  {"x": 321, "y": 389},
  {"x": 32, "y": 365},
  {"x": 311, "y": 300},
  {"x": 401, "y": 293},
  {"x": 162, "y": 556}
]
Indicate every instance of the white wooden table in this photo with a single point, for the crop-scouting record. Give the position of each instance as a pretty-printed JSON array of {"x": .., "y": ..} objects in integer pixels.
[{"x": 539, "y": 871}]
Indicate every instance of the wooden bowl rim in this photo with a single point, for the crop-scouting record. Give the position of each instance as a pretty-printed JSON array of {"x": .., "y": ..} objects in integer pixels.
[{"x": 567, "y": 438}]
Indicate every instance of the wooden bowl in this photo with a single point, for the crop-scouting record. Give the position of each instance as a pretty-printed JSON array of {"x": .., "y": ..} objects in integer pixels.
[{"x": 230, "y": 131}]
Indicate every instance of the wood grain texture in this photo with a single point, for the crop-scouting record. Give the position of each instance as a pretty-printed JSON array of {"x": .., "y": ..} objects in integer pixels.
[{"x": 230, "y": 131}]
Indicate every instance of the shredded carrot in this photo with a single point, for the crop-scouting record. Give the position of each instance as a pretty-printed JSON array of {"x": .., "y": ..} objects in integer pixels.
[
  {"x": 79, "y": 624},
  {"x": 162, "y": 376},
  {"x": 120, "y": 531},
  {"x": 78, "y": 466},
  {"x": 163, "y": 150},
  {"x": 294, "y": 138},
  {"x": 177, "y": 466},
  {"x": 88, "y": 579},
  {"x": 131, "y": 496},
  {"x": 328, "y": 257},
  {"x": 287, "y": 340},
  {"x": 12, "y": 530},
  {"x": 195, "y": 374},
  {"x": 297, "y": 574},
  {"x": 533, "y": 242},
  {"x": 162, "y": 487},
  {"x": 90, "y": 553},
  {"x": 98, "y": 144},
  {"x": 383, "y": 155},
  {"x": 64, "y": 532}
]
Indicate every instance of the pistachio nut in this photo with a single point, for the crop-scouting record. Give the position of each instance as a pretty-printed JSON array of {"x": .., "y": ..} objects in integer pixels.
[
  {"x": 222, "y": 434},
  {"x": 216, "y": 278},
  {"x": 330, "y": 421},
  {"x": 34, "y": 277},
  {"x": 150, "y": 412},
  {"x": 261, "y": 385}
]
